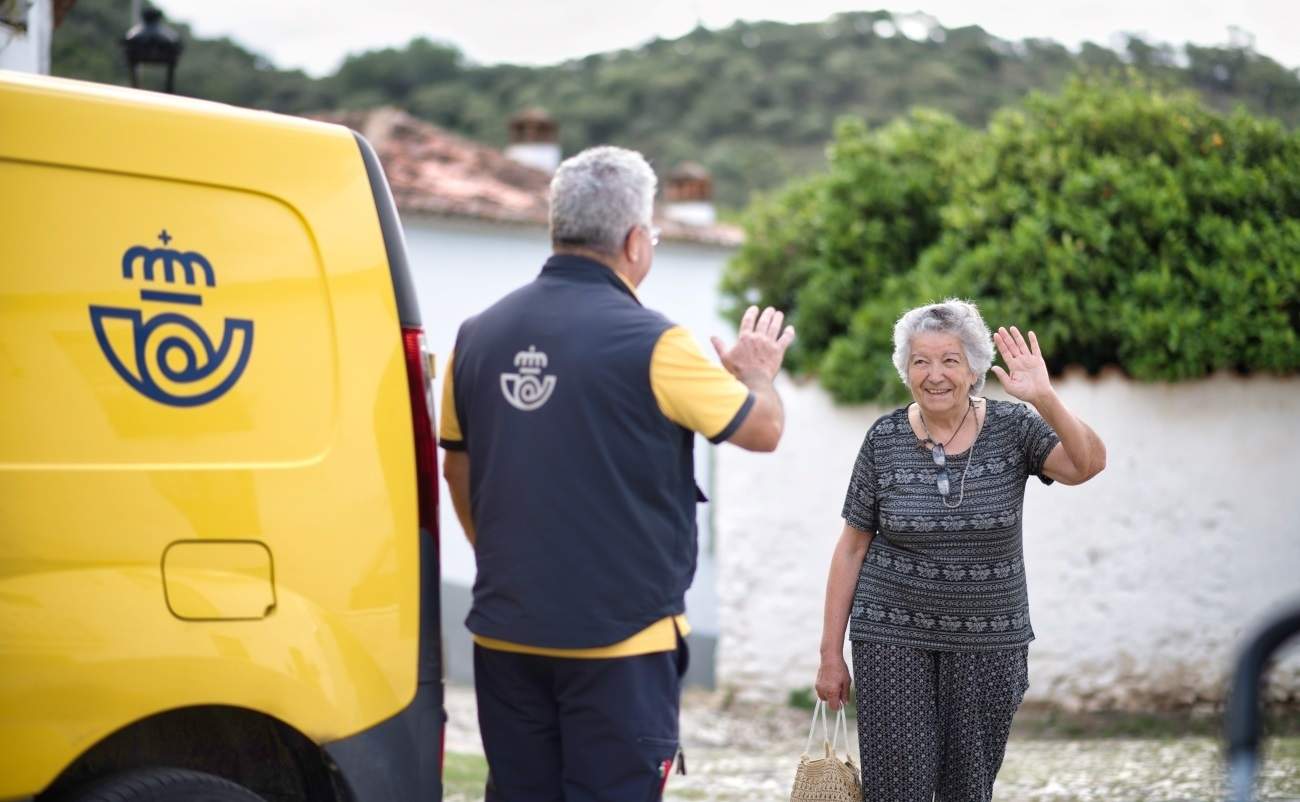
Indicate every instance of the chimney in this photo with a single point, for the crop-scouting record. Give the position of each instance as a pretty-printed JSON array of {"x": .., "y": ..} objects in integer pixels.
[
  {"x": 689, "y": 195},
  {"x": 534, "y": 140}
]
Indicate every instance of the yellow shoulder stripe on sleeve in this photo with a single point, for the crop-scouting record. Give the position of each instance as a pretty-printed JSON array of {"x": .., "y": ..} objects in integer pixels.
[
  {"x": 692, "y": 390},
  {"x": 449, "y": 424}
]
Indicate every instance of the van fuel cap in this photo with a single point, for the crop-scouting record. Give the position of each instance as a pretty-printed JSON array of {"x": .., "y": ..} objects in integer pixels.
[{"x": 218, "y": 580}]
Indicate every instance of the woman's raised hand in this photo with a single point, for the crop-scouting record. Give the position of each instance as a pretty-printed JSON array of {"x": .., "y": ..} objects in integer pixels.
[
  {"x": 833, "y": 682},
  {"x": 1028, "y": 379}
]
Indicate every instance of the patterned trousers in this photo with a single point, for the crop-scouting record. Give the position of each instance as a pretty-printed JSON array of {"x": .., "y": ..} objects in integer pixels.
[{"x": 934, "y": 725}]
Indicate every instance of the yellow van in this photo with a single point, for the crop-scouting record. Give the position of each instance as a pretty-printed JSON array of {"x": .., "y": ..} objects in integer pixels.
[{"x": 218, "y": 542}]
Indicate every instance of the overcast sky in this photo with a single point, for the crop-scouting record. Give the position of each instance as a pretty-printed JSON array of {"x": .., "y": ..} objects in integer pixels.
[{"x": 315, "y": 36}]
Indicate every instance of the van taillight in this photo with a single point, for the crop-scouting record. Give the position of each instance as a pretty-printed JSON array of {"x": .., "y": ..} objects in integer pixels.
[
  {"x": 426, "y": 460},
  {"x": 420, "y": 390}
]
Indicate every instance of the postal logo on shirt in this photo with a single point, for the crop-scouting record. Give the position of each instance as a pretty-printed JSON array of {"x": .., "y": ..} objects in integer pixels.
[{"x": 528, "y": 389}]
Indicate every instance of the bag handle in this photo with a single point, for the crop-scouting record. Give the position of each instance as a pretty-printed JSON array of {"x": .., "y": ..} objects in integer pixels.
[
  {"x": 830, "y": 737},
  {"x": 842, "y": 725},
  {"x": 819, "y": 709}
]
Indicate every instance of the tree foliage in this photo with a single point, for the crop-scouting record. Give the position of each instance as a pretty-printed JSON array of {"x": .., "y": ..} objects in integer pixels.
[
  {"x": 755, "y": 102},
  {"x": 1126, "y": 224}
]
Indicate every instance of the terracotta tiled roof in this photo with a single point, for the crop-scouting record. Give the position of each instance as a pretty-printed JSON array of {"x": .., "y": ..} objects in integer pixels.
[
  {"x": 437, "y": 172},
  {"x": 716, "y": 234},
  {"x": 690, "y": 171},
  {"x": 433, "y": 171}
]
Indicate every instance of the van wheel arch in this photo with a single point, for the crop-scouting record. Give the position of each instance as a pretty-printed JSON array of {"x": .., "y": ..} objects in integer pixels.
[{"x": 241, "y": 746}]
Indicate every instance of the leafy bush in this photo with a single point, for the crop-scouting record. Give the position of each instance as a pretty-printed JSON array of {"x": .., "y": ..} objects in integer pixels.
[
  {"x": 821, "y": 247},
  {"x": 1126, "y": 224}
]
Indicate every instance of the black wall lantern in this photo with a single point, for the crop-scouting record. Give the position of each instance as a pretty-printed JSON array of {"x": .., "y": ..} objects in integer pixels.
[{"x": 152, "y": 42}]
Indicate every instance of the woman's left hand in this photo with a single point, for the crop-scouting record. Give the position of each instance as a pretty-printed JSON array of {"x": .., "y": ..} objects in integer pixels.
[{"x": 1028, "y": 380}]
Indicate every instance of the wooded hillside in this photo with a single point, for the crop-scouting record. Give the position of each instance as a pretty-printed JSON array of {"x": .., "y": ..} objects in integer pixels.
[{"x": 755, "y": 102}]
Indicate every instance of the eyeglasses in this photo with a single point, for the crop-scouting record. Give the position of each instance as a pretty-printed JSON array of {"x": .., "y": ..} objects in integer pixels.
[{"x": 941, "y": 472}]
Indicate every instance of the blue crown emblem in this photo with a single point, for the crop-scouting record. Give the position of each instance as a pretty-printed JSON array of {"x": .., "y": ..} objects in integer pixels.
[
  {"x": 171, "y": 359},
  {"x": 148, "y": 258}
]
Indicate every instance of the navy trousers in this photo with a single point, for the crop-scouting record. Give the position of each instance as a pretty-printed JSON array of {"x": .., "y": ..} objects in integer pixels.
[{"x": 569, "y": 730}]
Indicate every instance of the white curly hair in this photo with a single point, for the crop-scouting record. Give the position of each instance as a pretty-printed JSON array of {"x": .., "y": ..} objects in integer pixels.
[{"x": 953, "y": 316}]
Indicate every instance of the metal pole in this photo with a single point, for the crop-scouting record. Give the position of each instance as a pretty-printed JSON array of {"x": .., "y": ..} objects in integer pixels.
[
  {"x": 132, "y": 21},
  {"x": 1242, "y": 717}
]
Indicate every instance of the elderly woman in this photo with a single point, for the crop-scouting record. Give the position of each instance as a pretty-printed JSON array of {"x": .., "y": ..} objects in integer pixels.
[{"x": 928, "y": 574}]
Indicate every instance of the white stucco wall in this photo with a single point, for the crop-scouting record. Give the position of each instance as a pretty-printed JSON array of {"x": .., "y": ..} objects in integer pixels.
[
  {"x": 29, "y": 51},
  {"x": 460, "y": 267},
  {"x": 1141, "y": 582}
]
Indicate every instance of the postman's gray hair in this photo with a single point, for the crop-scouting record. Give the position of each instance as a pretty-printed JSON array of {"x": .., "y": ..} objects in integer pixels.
[
  {"x": 597, "y": 196},
  {"x": 953, "y": 316}
]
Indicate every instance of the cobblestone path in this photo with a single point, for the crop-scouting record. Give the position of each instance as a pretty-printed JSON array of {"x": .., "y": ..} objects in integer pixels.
[{"x": 750, "y": 755}]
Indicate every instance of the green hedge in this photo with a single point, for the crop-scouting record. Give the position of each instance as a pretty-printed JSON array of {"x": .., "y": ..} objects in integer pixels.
[{"x": 1125, "y": 224}]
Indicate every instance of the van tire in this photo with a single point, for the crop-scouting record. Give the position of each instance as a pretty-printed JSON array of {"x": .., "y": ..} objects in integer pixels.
[{"x": 163, "y": 785}]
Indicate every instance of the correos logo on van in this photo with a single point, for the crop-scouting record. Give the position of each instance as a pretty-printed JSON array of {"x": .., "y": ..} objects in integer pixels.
[{"x": 160, "y": 351}]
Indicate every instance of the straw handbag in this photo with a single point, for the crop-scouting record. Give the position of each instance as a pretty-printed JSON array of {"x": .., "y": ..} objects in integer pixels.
[{"x": 827, "y": 779}]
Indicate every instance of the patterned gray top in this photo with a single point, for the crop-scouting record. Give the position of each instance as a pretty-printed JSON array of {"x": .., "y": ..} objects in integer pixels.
[{"x": 938, "y": 578}]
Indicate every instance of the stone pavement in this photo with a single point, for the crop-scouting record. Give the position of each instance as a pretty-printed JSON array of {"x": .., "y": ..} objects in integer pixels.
[{"x": 749, "y": 755}]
